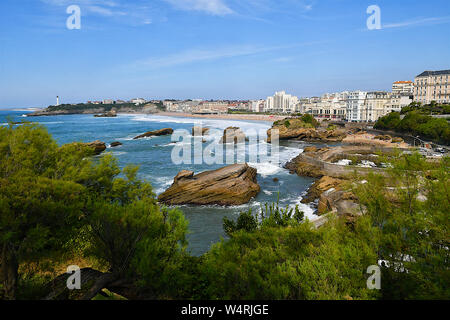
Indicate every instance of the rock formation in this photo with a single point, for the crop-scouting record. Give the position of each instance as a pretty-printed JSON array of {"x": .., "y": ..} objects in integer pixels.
[
  {"x": 296, "y": 129},
  {"x": 320, "y": 186},
  {"x": 97, "y": 145},
  {"x": 233, "y": 135},
  {"x": 200, "y": 131},
  {"x": 109, "y": 114},
  {"x": 115, "y": 144},
  {"x": 231, "y": 185},
  {"x": 161, "y": 132}
]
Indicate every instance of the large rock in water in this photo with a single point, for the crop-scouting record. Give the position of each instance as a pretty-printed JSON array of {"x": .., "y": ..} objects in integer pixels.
[
  {"x": 233, "y": 135},
  {"x": 199, "y": 131},
  {"x": 161, "y": 132},
  {"x": 97, "y": 145},
  {"x": 231, "y": 185}
]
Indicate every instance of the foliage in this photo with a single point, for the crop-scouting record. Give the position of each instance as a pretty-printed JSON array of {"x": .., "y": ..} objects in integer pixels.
[
  {"x": 416, "y": 123},
  {"x": 432, "y": 108},
  {"x": 270, "y": 215},
  {"x": 307, "y": 118},
  {"x": 410, "y": 208},
  {"x": 55, "y": 200},
  {"x": 88, "y": 106},
  {"x": 294, "y": 262}
]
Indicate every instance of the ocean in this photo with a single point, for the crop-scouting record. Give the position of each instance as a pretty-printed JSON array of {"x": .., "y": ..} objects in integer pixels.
[{"x": 153, "y": 156}]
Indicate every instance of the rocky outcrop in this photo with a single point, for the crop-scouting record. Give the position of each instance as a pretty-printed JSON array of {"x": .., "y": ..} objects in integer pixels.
[
  {"x": 332, "y": 197},
  {"x": 320, "y": 186},
  {"x": 97, "y": 145},
  {"x": 199, "y": 131},
  {"x": 303, "y": 168},
  {"x": 156, "y": 133},
  {"x": 233, "y": 135},
  {"x": 397, "y": 140},
  {"x": 109, "y": 114},
  {"x": 383, "y": 137},
  {"x": 295, "y": 129},
  {"x": 231, "y": 185},
  {"x": 116, "y": 144}
]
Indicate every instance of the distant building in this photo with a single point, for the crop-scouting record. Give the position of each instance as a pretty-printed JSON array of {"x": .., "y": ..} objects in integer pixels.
[
  {"x": 329, "y": 106},
  {"x": 256, "y": 105},
  {"x": 281, "y": 102},
  {"x": 138, "y": 101},
  {"x": 108, "y": 101},
  {"x": 403, "y": 87},
  {"x": 398, "y": 102},
  {"x": 432, "y": 86},
  {"x": 375, "y": 106},
  {"x": 120, "y": 102},
  {"x": 211, "y": 107},
  {"x": 355, "y": 104}
]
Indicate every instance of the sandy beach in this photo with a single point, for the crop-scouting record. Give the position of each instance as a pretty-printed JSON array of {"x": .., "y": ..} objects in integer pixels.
[{"x": 255, "y": 117}]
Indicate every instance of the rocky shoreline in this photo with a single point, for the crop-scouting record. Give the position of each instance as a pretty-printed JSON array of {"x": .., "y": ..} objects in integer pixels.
[{"x": 237, "y": 184}]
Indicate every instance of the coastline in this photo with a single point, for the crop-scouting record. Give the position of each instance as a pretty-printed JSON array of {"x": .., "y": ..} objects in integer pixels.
[{"x": 254, "y": 117}]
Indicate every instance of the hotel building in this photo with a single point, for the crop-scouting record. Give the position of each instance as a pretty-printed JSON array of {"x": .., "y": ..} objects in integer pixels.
[
  {"x": 355, "y": 104},
  {"x": 403, "y": 87},
  {"x": 432, "y": 86},
  {"x": 281, "y": 102}
]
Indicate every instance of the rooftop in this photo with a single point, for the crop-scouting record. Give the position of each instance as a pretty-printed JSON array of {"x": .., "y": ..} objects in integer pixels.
[{"x": 434, "y": 73}]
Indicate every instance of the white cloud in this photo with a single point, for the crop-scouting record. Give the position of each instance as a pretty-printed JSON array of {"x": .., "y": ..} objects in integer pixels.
[
  {"x": 103, "y": 11},
  {"x": 203, "y": 55},
  {"x": 214, "y": 7},
  {"x": 135, "y": 14},
  {"x": 197, "y": 55},
  {"x": 425, "y": 21}
]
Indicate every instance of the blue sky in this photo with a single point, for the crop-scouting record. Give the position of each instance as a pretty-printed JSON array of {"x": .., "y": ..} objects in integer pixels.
[{"x": 213, "y": 49}]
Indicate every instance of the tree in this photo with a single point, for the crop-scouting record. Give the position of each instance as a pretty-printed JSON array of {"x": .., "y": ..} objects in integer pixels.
[
  {"x": 292, "y": 262},
  {"x": 40, "y": 207},
  {"x": 52, "y": 197},
  {"x": 410, "y": 208}
]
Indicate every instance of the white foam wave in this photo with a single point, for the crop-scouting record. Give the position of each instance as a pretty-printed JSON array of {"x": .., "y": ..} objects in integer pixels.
[
  {"x": 161, "y": 184},
  {"x": 266, "y": 169},
  {"x": 210, "y": 123}
]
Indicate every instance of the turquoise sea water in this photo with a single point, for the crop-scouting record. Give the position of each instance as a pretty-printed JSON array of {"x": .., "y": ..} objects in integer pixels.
[{"x": 153, "y": 155}]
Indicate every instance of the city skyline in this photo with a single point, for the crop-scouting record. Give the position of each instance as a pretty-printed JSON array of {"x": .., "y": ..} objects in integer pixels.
[{"x": 214, "y": 49}]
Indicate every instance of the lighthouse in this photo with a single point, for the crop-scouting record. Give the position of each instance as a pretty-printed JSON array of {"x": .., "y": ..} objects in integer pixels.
[{"x": 57, "y": 100}]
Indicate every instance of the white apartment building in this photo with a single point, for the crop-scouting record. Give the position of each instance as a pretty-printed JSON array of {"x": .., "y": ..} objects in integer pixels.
[
  {"x": 432, "y": 86},
  {"x": 138, "y": 101},
  {"x": 355, "y": 104},
  {"x": 257, "y": 105},
  {"x": 403, "y": 87},
  {"x": 211, "y": 107},
  {"x": 398, "y": 102},
  {"x": 281, "y": 102},
  {"x": 375, "y": 106},
  {"x": 329, "y": 106}
]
